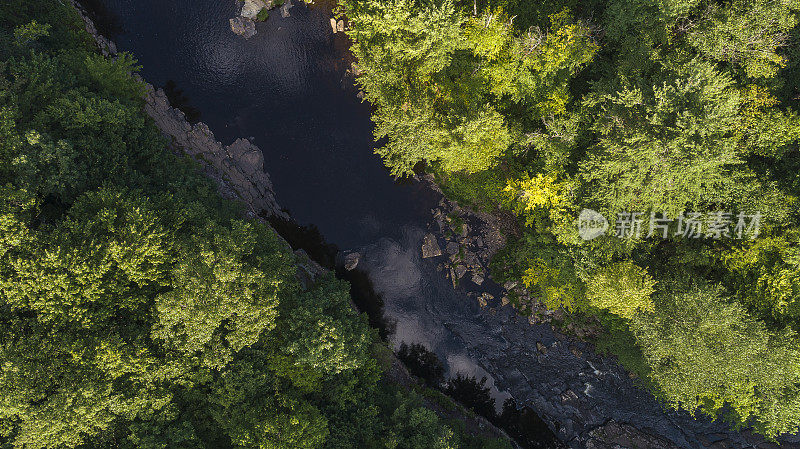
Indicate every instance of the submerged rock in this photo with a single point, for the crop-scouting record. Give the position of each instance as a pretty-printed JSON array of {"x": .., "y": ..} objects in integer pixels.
[
  {"x": 484, "y": 299},
  {"x": 452, "y": 248}
]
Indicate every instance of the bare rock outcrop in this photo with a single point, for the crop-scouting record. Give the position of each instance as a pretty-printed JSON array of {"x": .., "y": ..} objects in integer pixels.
[
  {"x": 238, "y": 168},
  {"x": 243, "y": 27},
  {"x": 244, "y": 24},
  {"x": 430, "y": 247},
  {"x": 615, "y": 435},
  {"x": 251, "y": 8},
  {"x": 106, "y": 46}
]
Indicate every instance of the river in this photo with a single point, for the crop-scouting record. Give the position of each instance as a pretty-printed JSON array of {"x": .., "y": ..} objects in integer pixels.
[{"x": 288, "y": 90}]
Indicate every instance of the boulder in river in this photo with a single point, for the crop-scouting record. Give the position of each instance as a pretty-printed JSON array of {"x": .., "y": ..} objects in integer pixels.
[
  {"x": 508, "y": 285},
  {"x": 243, "y": 27},
  {"x": 251, "y": 8},
  {"x": 285, "y": 9},
  {"x": 430, "y": 247},
  {"x": 351, "y": 261}
]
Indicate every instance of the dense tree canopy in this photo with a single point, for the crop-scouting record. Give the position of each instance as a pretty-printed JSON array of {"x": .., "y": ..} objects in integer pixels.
[
  {"x": 138, "y": 309},
  {"x": 676, "y": 120}
]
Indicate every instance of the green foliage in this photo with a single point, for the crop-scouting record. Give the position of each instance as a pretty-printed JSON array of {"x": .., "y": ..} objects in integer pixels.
[
  {"x": 707, "y": 354},
  {"x": 669, "y": 148},
  {"x": 325, "y": 336},
  {"x": 26, "y": 34},
  {"x": 225, "y": 291},
  {"x": 439, "y": 80},
  {"x": 481, "y": 189},
  {"x": 262, "y": 15},
  {"x": 746, "y": 32},
  {"x": 766, "y": 276},
  {"x": 139, "y": 310},
  {"x": 544, "y": 109},
  {"x": 623, "y": 289},
  {"x": 412, "y": 427},
  {"x": 554, "y": 278}
]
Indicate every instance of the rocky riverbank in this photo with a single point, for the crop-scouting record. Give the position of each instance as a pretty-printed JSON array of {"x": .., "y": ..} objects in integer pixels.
[
  {"x": 253, "y": 11},
  {"x": 469, "y": 239},
  {"x": 238, "y": 170},
  {"x": 587, "y": 399}
]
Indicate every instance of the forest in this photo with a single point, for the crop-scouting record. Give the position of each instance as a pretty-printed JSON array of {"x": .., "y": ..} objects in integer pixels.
[
  {"x": 647, "y": 149},
  {"x": 139, "y": 309}
]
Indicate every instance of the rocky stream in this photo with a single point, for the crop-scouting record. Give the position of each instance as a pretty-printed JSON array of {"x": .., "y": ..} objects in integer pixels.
[{"x": 425, "y": 256}]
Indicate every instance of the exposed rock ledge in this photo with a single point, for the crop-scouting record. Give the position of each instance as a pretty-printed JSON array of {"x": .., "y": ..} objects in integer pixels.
[
  {"x": 245, "y": 23},
  {"x": 587, "y": 399},
  {"x": 237, "y": 168}
]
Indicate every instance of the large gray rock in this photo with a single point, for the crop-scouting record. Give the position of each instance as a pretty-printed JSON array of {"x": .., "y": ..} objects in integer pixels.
[
  {"x": 243, "y": 27},
  {"x": 285, "y": 9},
  {"x": 430, "y": 247},
  {"x": 251, "y": 8},
  {"x": 238, "y": 168},
  {"x": 351, "y": 261}
]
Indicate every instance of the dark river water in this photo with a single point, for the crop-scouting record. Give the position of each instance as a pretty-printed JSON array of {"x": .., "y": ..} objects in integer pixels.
[{"x": 288, "y": 90}]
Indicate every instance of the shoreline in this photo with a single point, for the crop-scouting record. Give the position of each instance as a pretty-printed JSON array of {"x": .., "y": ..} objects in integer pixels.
[
  {"x": 239, "y": 173},
  {"x": 238, "y": 165}
]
